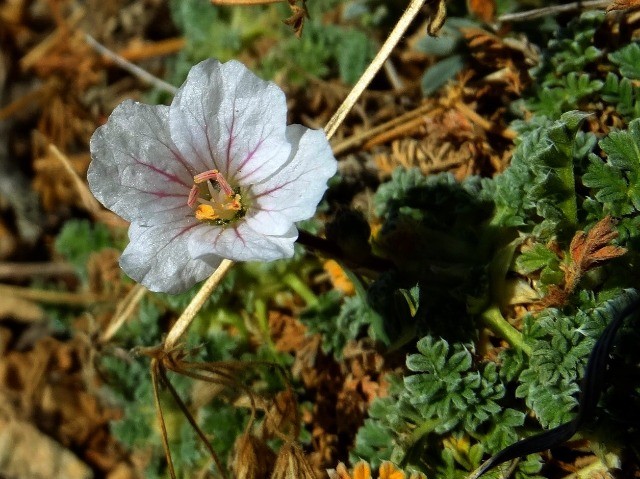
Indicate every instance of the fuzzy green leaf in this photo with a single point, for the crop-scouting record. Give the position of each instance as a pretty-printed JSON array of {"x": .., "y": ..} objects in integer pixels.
[
  {"x": 628, "y": 58},
  {"x": 617, "y": 181}
]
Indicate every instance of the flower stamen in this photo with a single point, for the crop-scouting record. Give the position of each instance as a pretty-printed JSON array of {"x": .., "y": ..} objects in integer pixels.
[
  {"x": 215, "y": 176},
  {"x": 218, "y": 203},
  {"x": 193, "y": 196}
]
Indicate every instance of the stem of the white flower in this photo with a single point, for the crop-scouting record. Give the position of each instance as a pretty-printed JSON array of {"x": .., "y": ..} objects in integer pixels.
[
  {"x": 373, "y": 68},
  {"x": 195, "y": 305}
]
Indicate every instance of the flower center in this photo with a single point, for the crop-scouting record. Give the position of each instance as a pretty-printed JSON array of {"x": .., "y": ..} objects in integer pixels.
[{"x": 214, "y": 200}]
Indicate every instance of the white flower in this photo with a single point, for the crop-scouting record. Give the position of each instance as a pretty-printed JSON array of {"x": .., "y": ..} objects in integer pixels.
[{"x": 218, "y": 174}]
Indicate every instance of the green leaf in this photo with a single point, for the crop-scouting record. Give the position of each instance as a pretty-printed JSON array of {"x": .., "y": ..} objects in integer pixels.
[
  {"x": 623, "y": 147},
  {"x": 353, "y": 55},
  {"x": 628, "y": 59},
  {"x": 78, "y": 239},
  {"x": 440, "y": 73},
  {"x": 617, "y": 181},
  {"x": 535, "y": 259}
]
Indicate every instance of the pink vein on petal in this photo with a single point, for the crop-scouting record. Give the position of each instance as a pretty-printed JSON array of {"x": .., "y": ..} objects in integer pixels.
[
  {"x": 231, "y": 128},
  {"x": 248, "y": 158},
  {"x": 177, "y": 155},
  {"x": 180, "y": 233},
  {"x": 239, "y": 236},
  {"x": 159, "y": 194},
  {"x": 169, "y": 176},
  {"x": 206, "y": 135},
  {"x": 192, "y": 143},
  {"x": 288, "y": 182},
  {"x": 235, "y": 230}
]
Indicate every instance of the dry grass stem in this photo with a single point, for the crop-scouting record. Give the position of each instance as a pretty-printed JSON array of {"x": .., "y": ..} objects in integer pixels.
[
  {"x": 387, "y": 47},
  {"x": 88, "y": 200},
  {"x": 52, "y": 297},
  {"x": 14, "y": 271},
  {"x": 160, "y": 48},
  {"x": 553, "y": 10},
  {"x": 135, "y": 70},
  {"x": 195, "y": 305},
  {"x": 124, "y": 311},
  {"x": 358, "y": 139},
  {"x": 41, "y": 49}
]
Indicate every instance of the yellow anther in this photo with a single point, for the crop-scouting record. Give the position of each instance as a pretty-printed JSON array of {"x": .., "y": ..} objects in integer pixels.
[
  {"x": 206, "y": 212},
  {"x": 234, "y": 204}
]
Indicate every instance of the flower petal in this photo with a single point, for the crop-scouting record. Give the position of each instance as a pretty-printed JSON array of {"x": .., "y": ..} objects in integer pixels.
[
  {"x": 157, "y": 256},
  {"x": 241, "y": 243},
  {"x": 293, "y": 192},
  {"x": 137, "y": 172},
  {"x": 226, "y": 118}
]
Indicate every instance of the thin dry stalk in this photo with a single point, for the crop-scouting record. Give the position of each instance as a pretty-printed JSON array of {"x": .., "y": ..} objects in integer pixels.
[
  {"x": 553, "y": 10},
  {"x": 124, "y": 311},
  {"x": 371, "y": 71},
  {"x": 135, "y": 70},
  {"x": 52, "y": 297},
  {"x": 185, "y": 319},
  {"x": 359, "y": 138},
  {"x": 88, "y": 200},
  {"x": 161, "y": 374},
  {"x": 15, "y": 271}
]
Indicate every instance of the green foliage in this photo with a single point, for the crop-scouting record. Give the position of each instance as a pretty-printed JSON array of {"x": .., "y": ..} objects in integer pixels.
[
  {"x": 561, "y": 344},
  {"x": 78, "y": 239},
  {"x": 616, "y": 181},
  {"x": 449, "y": 393},
  {"x": 341, "y": 319},
  {"x": 622, "y": 93},
  {"x": 537, "y": 192},
  {"x": 572, "y": 50},
  {"x": 567, "y": 78},
  {"x": 440, "y": 73},
  {"x": 560, "y": 180},
  {"x": 628, "y": 59},
  {"x": 540, "y": 259},
  {"x": 450, "y": 390},
  {"x": 456, "y": 248},
  {"x": 208, "y": 339},
  {"x": 322, "y": 51},
  {"x": 220, "y": 32}
]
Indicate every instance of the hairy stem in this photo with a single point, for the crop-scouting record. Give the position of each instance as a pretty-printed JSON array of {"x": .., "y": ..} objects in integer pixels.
[{"x": 493, "y": 319}]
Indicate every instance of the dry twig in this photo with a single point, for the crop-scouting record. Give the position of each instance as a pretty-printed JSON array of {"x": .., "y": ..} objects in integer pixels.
[
  {"x": 135, "y": 70},
  {"x": 553, "y": 10}
]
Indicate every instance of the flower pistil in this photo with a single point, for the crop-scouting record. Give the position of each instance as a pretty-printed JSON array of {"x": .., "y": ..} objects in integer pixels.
[{"x": 217, "y": 202}]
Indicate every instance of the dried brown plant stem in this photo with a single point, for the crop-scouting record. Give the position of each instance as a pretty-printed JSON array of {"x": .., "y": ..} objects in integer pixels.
[
  {"x": 359, "y": 138},
  {"x": 159, "y": 375},
  {"x": 135, "y": 70},
  {"x": 61, "y": 33},
  {"x": 195, "y": 305},
  {"x": 124, "y": 311},
  {"x": 9, "y": 270},
  {"x": 394, "y": 37},
  {"x": 158, "y": 48},
  {"x": 553, "y": 10},
  {"x": 52, "y": 297},
  {"x": 88, "y": 200}
]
